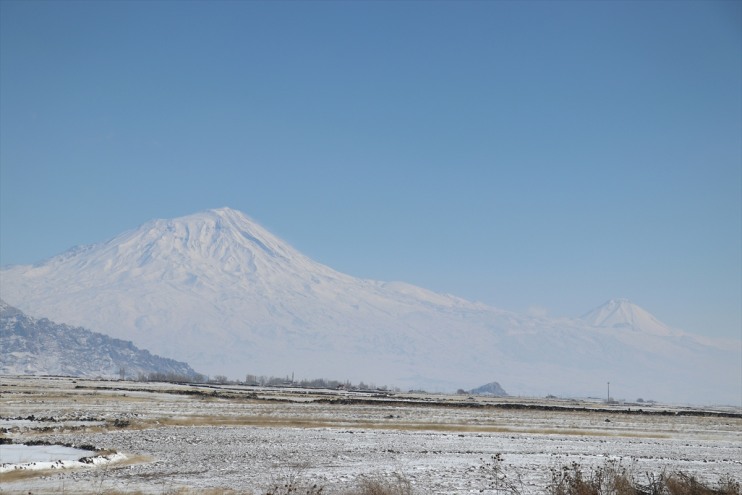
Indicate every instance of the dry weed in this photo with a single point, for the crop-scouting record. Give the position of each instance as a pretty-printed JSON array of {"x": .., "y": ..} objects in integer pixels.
[
  {"x": 378, "y": 485},
  {"x": 615, "y": 479}
]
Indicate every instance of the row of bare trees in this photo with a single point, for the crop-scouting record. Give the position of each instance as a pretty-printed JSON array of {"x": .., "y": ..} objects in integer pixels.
[{"x": 260, "y": 381}]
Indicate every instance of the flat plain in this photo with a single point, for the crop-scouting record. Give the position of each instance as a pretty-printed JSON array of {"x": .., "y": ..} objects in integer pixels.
[{"x": 189, "y": 438}]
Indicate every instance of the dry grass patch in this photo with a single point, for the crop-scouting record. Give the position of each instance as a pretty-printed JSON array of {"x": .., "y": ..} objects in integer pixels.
[
  {"x": 133, "y": 459},
  {"x": 382, "y": 424},
  {"x": 615, "y": 479},
  {"x": 24, "y": 474},
  {"x": 266, "y": 421},
  {"x": 683, "y": 484}
]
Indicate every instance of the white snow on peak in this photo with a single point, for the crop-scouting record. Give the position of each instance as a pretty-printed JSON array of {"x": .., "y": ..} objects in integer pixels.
[
  {"x": 623, "y": 314},
  {"x": 216, "y": 234}
]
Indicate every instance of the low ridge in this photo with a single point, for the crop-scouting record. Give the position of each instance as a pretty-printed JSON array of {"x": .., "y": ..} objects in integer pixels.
[{"x": 33, "y": 346}]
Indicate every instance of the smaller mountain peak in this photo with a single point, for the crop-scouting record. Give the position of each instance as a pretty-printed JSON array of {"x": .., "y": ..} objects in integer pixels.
[
  {"x": 492, "y": 389},
  {"x": 621, "y": 313}
]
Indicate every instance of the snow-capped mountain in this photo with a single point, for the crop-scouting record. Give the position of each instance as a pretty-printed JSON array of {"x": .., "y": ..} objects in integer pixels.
[
  {"x": 220, "y": 292},
  {"x": 33, "y": 346},
  {"x": 623, "y": 314}
]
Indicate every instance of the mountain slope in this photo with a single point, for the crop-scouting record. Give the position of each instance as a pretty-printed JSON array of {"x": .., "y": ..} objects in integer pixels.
[
  {"x": 219, "y": 291},
  {"x": 42, "y": 347}
]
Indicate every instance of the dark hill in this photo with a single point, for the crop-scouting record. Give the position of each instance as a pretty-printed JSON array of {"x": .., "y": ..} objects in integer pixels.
[{"x": 33, "y": 346}]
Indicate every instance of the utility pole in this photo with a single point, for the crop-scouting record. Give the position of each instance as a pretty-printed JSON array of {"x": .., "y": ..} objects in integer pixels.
[{"x": 609, "y": 393}]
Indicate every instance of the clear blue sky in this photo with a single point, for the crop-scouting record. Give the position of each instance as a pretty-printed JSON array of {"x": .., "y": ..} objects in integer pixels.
[{"x": 544, "y": 155}]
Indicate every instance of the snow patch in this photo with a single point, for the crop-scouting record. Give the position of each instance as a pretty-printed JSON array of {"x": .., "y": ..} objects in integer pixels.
[{"x": 36, "y": 457}]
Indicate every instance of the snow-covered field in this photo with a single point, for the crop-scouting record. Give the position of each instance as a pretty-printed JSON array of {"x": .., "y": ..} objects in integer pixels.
[{"x": 247, "y": 439}]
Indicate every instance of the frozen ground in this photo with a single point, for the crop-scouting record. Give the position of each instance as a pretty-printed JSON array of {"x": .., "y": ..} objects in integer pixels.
[{"x": 246, "y": 439}]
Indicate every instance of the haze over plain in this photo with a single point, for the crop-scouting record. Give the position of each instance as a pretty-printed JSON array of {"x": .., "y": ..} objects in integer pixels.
[{"x": 541, "y": 157}]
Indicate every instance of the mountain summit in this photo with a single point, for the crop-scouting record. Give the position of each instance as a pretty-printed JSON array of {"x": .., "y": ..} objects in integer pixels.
[
  {"x": 623, "y": 314},
  {"x": 221, "y": 241},
  {"x": 217, "y": 290}
]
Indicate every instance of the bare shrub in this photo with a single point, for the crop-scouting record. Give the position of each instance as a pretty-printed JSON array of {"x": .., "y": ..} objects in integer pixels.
[
  {"x": 294, "y": 488},
  {"x": 291, "y": 481},
  {"x": 684, "y": 484},
  {"x": 570, "y": 480},
  {"x": 500, "y": 477},
  {"x": 397, "y": 484},
  {"x": 612, "y": 478}
]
